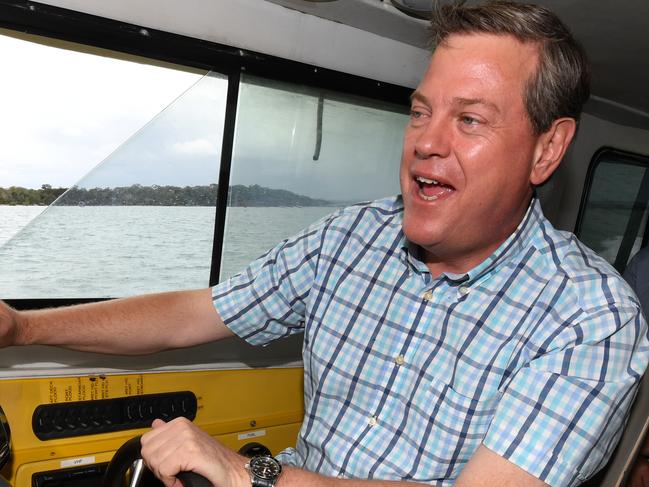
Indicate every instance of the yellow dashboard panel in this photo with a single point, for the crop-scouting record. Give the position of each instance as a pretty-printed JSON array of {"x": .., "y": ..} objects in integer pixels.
[{"x": 235, "y": 406}]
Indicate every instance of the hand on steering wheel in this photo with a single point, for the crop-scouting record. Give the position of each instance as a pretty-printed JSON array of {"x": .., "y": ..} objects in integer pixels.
[{"x": 124, "y": 458}]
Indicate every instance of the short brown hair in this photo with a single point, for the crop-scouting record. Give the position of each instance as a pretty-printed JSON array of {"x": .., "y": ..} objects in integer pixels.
[{"x": 561, "y": 84}]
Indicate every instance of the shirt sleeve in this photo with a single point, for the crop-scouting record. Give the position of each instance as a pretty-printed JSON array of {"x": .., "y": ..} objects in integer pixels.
[
  {"x": 562, "y": 415},
  {"x": 267, "y": 300}
]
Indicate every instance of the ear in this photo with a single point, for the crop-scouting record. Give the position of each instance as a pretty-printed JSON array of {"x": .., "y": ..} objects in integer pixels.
[{"x": 550, "y": 149}]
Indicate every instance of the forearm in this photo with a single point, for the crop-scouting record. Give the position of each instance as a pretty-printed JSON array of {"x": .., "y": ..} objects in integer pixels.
[
  {"x": 485, "y": 469},
  {"x": 293, "y": 477},
  {"x": 136, "y": 325}
]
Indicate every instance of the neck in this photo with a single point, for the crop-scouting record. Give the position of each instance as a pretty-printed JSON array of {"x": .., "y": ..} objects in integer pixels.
[
  {"x": 462, "y": 258},
  {"x": 459, "y": 265}
]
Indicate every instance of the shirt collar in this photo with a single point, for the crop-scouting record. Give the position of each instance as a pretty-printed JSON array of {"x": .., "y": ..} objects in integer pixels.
[{"x": 517, "y": 241}]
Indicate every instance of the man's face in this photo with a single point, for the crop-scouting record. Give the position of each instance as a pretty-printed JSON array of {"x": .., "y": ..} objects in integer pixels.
[{"x": 468, "y": 150}]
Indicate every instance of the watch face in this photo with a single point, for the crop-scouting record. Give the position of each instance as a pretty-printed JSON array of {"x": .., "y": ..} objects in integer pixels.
[{"x": 265, "y": 467}]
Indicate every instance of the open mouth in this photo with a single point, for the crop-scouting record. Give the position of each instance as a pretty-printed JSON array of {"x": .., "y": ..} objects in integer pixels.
[{"x": 431, "y": 189}]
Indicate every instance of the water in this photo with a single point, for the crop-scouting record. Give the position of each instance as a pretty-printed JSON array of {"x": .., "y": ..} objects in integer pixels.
[
  {"x": 13, "y": 218},
  {"x": 108, "y": 251}
]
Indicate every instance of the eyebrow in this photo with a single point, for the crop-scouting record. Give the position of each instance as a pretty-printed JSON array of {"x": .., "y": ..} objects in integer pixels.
[
  {"x": 418, "y": 96},
  {"x": 475, "y": 101}
]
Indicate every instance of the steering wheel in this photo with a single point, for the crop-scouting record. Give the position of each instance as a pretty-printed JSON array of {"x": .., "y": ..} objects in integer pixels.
[{"x": 129, "y": 453}]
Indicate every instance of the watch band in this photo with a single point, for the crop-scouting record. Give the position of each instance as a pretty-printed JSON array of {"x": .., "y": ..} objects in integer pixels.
[{"x": 257, "y": 482}]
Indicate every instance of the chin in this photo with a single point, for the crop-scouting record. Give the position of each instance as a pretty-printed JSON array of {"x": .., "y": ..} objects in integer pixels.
[{"x": 420, "y": 234}]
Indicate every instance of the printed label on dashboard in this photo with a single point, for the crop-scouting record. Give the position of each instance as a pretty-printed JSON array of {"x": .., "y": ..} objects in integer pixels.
[
  {"x": 252, "y": 434},
  {"x": 76, "y": 462}
]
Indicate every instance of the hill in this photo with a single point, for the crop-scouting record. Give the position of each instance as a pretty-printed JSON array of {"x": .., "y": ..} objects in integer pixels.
[{"x": 138, "y": 195}]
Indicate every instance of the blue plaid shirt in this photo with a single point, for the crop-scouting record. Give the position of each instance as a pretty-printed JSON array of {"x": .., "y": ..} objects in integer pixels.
[{"x": 536, "y": 352}]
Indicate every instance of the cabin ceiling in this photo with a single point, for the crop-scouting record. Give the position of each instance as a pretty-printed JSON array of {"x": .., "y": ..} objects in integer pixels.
[{"x": 615, "y": 35}]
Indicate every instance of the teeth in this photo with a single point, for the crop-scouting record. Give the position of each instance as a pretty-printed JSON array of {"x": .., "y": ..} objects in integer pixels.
[
  {"x": 426, "y": 180},
  {"x": 429, "y": 198}
]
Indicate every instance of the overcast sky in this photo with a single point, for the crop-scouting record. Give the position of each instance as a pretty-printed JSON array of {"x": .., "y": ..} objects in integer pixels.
[
  {"x": 73, "y": 118},
  {"x": 63, "y": 112}
]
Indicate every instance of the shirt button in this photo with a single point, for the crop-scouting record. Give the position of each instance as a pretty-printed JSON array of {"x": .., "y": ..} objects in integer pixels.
[
  {"x": 400, "y": 360},
  {"x": 373, "y": 421},
  {"x": 428, "y": 295},
  {"x": 464, "y": 290}
]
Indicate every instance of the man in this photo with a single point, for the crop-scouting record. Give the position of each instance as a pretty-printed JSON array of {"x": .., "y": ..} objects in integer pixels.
[
  {"x": 451, "y": 335},
  {"x": 637, "y": 275}
]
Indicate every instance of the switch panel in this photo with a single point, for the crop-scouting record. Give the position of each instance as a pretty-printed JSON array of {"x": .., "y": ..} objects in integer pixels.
[{"x": 70, "y": 419}]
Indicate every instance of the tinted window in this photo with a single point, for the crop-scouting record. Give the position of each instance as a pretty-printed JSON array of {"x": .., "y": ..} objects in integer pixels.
[
  {"x": 613, "y": 221},
  {"x": 299, "y": 154}
]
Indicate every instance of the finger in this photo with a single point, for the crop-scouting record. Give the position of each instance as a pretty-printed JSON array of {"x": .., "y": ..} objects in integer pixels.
[
  {"x": 161, "y": 429},
  {"x": 168, "y": 449},
  {"x": 171, "y": 463},
  {"x": 163, "y": 462},
  {"x": 158, "y": 427},
  {"x": 157, "y": 423},
  {"x": 159, "y": 444},
  {"x": 178, "y": 446}
]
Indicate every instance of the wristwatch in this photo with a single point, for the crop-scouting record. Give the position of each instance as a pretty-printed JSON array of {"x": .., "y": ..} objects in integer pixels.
[{"x": 264, "y": 471}]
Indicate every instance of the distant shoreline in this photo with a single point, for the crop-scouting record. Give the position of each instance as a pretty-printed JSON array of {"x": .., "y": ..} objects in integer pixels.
[{"x": 138, "y": 195}]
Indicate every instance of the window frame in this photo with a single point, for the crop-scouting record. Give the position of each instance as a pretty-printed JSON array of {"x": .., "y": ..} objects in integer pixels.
[
  {"x": 611, "y": 154},
  {"x": 48, "y": 21}
]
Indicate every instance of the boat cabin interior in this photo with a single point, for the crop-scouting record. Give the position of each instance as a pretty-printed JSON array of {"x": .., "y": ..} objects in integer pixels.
[{"x": 196, "y": 135}]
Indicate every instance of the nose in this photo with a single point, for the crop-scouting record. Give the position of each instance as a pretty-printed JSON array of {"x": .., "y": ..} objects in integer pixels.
[{"x": 433, "y": 139}]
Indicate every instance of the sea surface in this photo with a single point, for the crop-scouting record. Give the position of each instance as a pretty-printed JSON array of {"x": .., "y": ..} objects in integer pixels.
[{"x": 111, "y": 251}]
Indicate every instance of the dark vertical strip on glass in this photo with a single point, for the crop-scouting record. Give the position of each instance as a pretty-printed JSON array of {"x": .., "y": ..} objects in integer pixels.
[
  {"x": 645, "y": 238},
  {"x": 318, "y": 140},
  {"x": 234, "y": 79}
]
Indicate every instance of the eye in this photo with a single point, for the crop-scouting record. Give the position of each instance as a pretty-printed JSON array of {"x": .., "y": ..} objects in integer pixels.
[
  {"x": 469, "y": 120},
  {"x": 418, "y": 116}
]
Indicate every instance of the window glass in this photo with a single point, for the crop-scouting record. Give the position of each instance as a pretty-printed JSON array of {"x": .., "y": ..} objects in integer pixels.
[
  {"x": 143, "y": 145},
  {"x": 299, "y": 154},
  {"x": 614, "y": 221}
]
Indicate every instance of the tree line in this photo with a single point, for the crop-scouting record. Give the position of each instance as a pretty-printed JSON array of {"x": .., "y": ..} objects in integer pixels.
[
  {"x": 138, "y": 195},
  {"x": 15, "y": 195}
]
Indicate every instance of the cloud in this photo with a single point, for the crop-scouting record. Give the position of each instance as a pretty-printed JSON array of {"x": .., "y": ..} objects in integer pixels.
[
  {"x": 56, "y": 131},
  {"x": 196, "y": 147},
  {"x": 71, "y": 132}
]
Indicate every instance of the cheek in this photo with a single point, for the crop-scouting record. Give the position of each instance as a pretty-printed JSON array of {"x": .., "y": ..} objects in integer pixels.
[
  {"x": 407, "y": 154},
  {"x": 489, "y": 162},
  {"x": 409, "y": 138},
  {"x": 403, "y": 179},
  {"x": 476, "y": 151},
  {"x": 479, "y": 147}
]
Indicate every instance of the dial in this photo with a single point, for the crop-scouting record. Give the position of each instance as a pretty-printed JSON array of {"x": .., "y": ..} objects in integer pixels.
[{"x": 265, "y": 467}]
